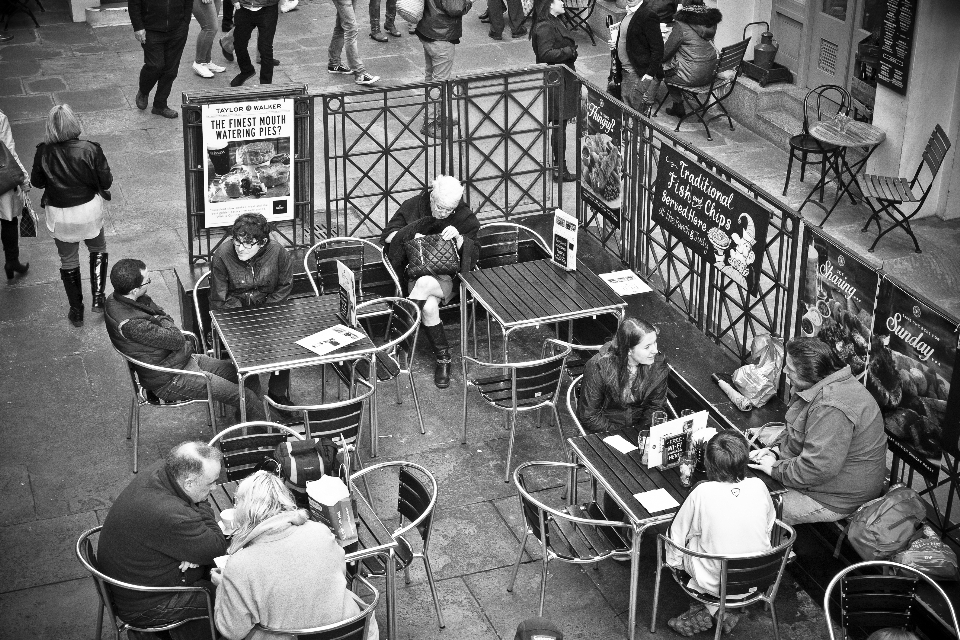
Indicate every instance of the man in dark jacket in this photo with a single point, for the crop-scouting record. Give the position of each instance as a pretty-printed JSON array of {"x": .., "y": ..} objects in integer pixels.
[
  {"x": 439, "y": 31},
  {"x": 161, "y": 532},
  {"x": 160, "y": 27},
  {"x": 249, "y": 272},
  {"x": 139, "y": 328},
  {"x": 640, "y": 50}
]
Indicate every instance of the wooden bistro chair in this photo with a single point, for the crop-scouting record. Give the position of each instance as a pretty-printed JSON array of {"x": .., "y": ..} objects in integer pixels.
[
  {"x": 701, "y": 99},
  {"x": 570, "y": 533},
  {"x": 755, "y": 574},
  {"x": 827, "y": 101},
  {"x": 87, "y": 556},
  {"x": 353, "y": 628},
  {"x": 142, "y": 396},
  {"x": 417, "y": 491},
  {"x": 246, "y": 445},
  {"x": 526, "y": 386},
  {"x": 885, "y": 195},
  {"x": 874, "y": 601}
]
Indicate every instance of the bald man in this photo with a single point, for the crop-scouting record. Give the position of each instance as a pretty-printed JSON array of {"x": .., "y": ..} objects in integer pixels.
[{"x": 161, "y": 532}]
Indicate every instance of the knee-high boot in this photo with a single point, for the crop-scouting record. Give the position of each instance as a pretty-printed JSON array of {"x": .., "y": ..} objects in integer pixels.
[
  {"x": 73, "y": 287},
  {"x": 437, "y": 338},
  {"x": 98, "y": 280},
  {"x": 559, "y": 159}
]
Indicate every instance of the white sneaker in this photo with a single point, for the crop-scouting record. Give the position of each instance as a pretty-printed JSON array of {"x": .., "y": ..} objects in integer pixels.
[
  {"x": 202, "y": 70},
  {"x": 288, "y": 5},
  {"x": 214, "y": 67}
]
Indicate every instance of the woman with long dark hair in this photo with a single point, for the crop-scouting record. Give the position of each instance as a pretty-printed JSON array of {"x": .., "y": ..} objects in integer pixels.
[
  {"x": 74, "y": 173},
  {"x": 11, "y": 204},
  {"x": 626, "y": 381},
  {"x": 553, "y": 44}
]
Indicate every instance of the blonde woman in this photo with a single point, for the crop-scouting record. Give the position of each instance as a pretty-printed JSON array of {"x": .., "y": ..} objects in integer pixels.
[
  {"x": 284, "y": 571},
  {"x": 74, "y": 174}
]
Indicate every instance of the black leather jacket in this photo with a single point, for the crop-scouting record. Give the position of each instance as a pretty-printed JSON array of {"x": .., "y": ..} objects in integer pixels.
[
  {"x": 72, "y": 172},
  {"x": 600, "y": 408}
]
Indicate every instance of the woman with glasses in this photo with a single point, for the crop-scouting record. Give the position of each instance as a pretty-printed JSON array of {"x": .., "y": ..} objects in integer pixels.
[
  {"x": 438, "y": 210},
  {"x": 75, "y": 176},
  {"x": 251, "y": 271}
]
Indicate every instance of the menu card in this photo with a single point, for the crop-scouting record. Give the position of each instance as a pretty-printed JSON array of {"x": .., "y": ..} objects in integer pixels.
[
  {"x": 656, "y": 500},
  {"x": 565, "y": 240},
  {"x": 666, "y": 439},
  {"x": 620, "y": 443},
  {"x": 348, "y": 295},
  {"x": 330, "y": 339},
  {"x": 896, "y": 44},
  {"x": 625, "y": 283}
]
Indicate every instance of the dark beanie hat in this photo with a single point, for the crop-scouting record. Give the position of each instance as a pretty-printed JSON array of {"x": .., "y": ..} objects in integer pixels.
[{"x": 538, "y": 629}]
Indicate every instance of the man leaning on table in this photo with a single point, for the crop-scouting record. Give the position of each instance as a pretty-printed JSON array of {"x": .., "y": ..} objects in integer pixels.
[{"x": 161, "y": 532}]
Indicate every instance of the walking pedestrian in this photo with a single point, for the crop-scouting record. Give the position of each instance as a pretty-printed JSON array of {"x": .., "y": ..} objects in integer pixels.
[
  {"x": 161, "y": 29},
  {"x": 344, "y": 40},
  {"x": 439, "y": 31},
  {"x": 11, "y": 204},
  {"x": 389, "y": 21},
  {"x": 76, "y": 177},
  {"x": 205, "y": 11},
  {"x": 261, "y": 15}
]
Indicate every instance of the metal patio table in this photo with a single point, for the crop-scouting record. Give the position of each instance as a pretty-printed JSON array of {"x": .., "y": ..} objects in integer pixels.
[
  {"x": 264, "y": 339},
  {"x": 374, "y": 540},
  {"x": 622, "y": 476},
  {"x": 528, "y": 294}
]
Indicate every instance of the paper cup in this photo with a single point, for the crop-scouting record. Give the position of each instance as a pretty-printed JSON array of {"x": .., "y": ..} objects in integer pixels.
[{"x": 228, "y": 520}]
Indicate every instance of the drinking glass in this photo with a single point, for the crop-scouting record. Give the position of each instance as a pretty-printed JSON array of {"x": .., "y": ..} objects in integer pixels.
[
  {"x": 686, "y": 412},
  {"x": 687, "y": 463},
  {"x": 642, "y": 441},
  {"x": 659, "y": 417}
]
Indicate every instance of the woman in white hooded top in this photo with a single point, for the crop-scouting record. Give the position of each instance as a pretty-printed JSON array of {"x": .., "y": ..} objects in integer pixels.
[{"x": 284, "y": 571}]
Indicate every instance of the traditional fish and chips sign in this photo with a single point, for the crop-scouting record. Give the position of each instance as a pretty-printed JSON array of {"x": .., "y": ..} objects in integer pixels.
[
  {"x": 248, "y": 166},
  {"x": 710, "y": 217}
]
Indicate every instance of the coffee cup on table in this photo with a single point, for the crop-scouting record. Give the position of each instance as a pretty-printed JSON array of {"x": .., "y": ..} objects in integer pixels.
[{"x": 228, "y": 519}]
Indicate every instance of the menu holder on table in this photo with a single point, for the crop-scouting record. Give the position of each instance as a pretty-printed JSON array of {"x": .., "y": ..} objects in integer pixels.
[
  {"x": 667, "y": 439},
  {"x": 620, "y": 443},
  {"x": 656, "y": 500},
  {"x": 565, "y": 240},
  {"x": 625, "y": 283},
  {"x": 348, "y": 295},
  {"x": 330, "y": 339}
]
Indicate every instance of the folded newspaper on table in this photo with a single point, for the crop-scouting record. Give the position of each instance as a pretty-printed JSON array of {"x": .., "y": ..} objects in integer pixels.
[
  {"x": 625, "y": 283},
  {"x": 330, "y": 503},
  {"x": 331, "y": 339},
  {"x": 656, "y": 500}
]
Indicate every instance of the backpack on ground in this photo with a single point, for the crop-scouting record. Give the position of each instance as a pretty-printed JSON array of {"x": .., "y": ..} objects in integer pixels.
[{"x": 882, "y": 527}]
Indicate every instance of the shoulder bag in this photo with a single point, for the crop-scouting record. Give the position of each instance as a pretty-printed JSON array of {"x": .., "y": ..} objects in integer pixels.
[
  {"x": 410, "y": 10},
  {"x": 28, "y": 219},
  {"x": 11, "y": 174},
  {"x": 431, "y": 256}
]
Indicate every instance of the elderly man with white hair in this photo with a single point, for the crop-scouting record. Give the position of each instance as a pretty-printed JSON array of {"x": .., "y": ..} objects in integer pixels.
[{"x": 437, "y": 210}]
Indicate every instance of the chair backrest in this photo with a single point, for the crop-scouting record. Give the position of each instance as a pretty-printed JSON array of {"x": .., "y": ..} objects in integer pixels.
[
  {"x": 416, "y": 498},
  {"x": 201, "y": 307},
  {"x": 540, "y": 378},
  {"x": 508, "y": 243},
  {"x": 374, "y": 275},
  {"x": 145, "y": 394},
  {"x": 404, "y": 324},
  {"x": 333, "y": 420},
  {"x": 245, "y": 445},
  {"x": 731, "y": 57},
  {"x": 353, "y": 628},
  {"x": 826, "y": 101},
  {"x": 871, "y": 602},
  {"x": 933, "y": 155},
  {"x": 573, "y": 398}
]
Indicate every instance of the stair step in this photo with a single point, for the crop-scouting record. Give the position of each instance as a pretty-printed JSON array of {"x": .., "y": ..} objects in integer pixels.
[
  {"x": 108, "y": 14},
  {"x": 778, "y": 125}
]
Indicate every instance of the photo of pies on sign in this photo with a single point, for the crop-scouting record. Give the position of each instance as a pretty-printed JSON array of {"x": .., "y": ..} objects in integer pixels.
[
  {"x": 601, "y": 163},
  {"x": 259, "y": 169}
]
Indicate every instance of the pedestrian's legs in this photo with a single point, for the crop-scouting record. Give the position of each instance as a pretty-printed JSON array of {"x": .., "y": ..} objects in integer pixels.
[
  {"x": 390, "y": 19},
  {"x": 374, "y": 16},
  {"x": 336, "y": 40},
  {"x": 244, "y": 23},
  {"x": 227, "y": 23},
  {"x": 442, "y": 53},
  {"x": 347, "y": 14},
  {"x": 630, "y": 90},
  {"x": 172, "y": 52},
  {"x": 266, "y": 30},
  {"x": 94, "y": 245},
  {"x": 153, "y": 62},
  {"x": 650, "y": 89},
  {"x": 427, "y": 61},
  {"x": 206, "y": 15},
  {"x": 495, "y": 7},
  {"x": 10, "y": 236},
  {"x": 69, "y": 254},
  {"x": 515, "y": 10}
]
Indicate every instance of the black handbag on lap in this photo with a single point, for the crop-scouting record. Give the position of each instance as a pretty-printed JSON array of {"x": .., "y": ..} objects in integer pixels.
[{"x": 431, "y": 256}]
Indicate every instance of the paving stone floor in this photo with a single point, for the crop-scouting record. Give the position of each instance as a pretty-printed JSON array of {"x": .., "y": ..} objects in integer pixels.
[{"x": 64, "y": 398}]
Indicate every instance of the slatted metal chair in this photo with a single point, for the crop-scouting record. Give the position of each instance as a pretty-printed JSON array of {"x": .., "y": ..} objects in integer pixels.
[
  {"x": 526, "y": 386},
  {"x": 374, "y": 276},
  {"x": 353, "y": 628},
  {"x": 87, "y": 556},
  {"x": 245, "y": 445},
  {"x": 703, "y": 98},
  {"x": 142, "y": 396},
  {"x": 201, "y": 307},
  {"x": 757, "y": 575},
  {"x": 826, "y": 101},
  {"x": 573, "y": 398},
  {"x": 503, "y": 243},
  {"x": 395, "y": 356},
  {"x": 417, "y": 492},
  {"x": 338, "y": 421},
  {"x": 576, "y": 13},
  {"x": 571, "y": 533},
  {"x": 885, "y": 195},
  {"x": 874, "y": 601}
]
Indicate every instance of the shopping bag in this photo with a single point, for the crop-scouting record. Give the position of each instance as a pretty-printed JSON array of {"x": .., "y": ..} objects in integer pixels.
[
  {"x": 331, "y": 504},
  {"x": 757, "y": 381}
]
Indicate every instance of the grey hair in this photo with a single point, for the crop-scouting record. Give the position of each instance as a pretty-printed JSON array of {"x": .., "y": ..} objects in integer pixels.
[{"x": 186, "y": 459}]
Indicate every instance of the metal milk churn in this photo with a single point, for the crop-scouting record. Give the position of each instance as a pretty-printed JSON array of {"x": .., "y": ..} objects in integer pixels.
[{"x": 766, "y": 51}]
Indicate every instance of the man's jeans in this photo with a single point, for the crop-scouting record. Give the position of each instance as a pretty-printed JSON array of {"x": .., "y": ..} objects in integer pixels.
[
  {"x": 344, "y": 38},
  {"x": 161, "y": 60},
  {"x": 799, "y": 507},
  {"x": 438, "y": 58},
  {"x": 495, "y": 7},
  {"x": 389, "y": 19},
  {"x": 639, "y": 93},
  {"x": 206, "y": 15},
  {"x": 180, "y": 606},
  {"x": 223, "y": 377},
  {"x": 265, "y": 22}
]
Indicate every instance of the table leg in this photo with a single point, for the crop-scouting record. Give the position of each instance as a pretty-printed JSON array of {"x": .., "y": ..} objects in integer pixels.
[
  {"x": 391, "y": 596},
  {"x": 463, "y": 354},
  {"x": 840, "y": 165},
  {"x": 572, "y": 479},
  {"x": 634, "y": 581},
  {"x": 822, "y": 182},
  {"x": 374, "y": 413},
  {"x": 241, "y": 379}
]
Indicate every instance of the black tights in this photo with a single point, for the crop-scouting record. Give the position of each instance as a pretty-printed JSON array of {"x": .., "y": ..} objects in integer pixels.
[{"x": 10, "y": 235}]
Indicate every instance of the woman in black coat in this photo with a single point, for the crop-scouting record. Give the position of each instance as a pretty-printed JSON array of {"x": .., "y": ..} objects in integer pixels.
[{"x": 552, "y": 44}]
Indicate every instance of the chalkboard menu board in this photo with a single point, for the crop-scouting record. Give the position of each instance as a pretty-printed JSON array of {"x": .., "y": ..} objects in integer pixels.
[
  {"x": 713, "y": 219},
  {"x": 897, "y": 44}
]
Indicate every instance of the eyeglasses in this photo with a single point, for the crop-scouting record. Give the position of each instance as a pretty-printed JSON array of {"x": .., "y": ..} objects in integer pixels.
[
  {"x": 146, "y": 282},
  {"x": 246, "y": 245}
]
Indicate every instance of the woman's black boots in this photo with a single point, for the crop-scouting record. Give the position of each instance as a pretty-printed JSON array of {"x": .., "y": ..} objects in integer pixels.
[
  {"x": 9, "y": 234},
  {"x": 559, "y": 160},
  {"x": 437, "y": 338},
  {"x": 72, "y": 285},
  {"x": 98, "y": 280}
]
